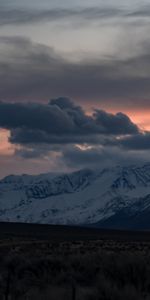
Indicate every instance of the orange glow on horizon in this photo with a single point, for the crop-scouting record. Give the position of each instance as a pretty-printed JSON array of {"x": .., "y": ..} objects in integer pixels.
[
  {"x": 138, "y": 116},
  {"x": 6, "y": 148},
  {"x": 141, "y": 118}
]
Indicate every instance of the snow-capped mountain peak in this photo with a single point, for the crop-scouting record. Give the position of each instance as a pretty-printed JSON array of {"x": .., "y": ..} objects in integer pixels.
[{"x": 81, "y": 197}]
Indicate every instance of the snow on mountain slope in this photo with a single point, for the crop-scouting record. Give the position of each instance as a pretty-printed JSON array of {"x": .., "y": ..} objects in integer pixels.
[{"x": 83, "y": 197}]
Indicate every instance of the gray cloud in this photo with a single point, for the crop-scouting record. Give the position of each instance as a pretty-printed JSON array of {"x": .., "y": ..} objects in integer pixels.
[
  {"x": 41, "y": 129},
  {"x": 36, "y": 137},
  {"x": 137, "y": 142},
  {"x": 99, "y": 157},
  {"x": 42, "y": 151},
  {"x": 15, "y": 16},
  {"x": 33, "y": 116},
  {"x": 143, "y": 11},
  {"x": 114, "y": 124},
  {"x": 61, "y": 122},
  {"x": 11, "y": 15},
  {"x": 30, "y": 71}
]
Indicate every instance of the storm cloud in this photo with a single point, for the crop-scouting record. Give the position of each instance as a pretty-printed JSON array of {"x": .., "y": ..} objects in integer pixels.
[{"x": 61, "y": 122}]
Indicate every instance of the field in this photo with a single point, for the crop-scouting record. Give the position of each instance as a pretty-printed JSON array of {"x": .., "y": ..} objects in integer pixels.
[{"x": 69, "y": 263}]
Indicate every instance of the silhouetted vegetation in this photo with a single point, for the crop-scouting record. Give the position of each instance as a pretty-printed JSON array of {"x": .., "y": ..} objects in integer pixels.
[{"x": 78, "y": 270}]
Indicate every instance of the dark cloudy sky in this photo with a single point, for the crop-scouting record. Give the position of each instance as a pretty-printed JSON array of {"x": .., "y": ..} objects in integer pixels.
[{"x": 74, "y": 84}]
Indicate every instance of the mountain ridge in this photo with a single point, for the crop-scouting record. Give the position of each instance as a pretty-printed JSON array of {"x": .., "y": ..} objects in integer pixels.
[{"x": 82, "y": 197}]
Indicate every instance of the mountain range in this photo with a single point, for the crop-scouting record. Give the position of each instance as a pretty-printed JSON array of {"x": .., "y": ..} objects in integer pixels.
[{"x": 116, "y": 197}]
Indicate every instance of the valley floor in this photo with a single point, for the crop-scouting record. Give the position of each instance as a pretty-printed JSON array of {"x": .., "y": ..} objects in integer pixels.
[{"x": 58, "y": 263}]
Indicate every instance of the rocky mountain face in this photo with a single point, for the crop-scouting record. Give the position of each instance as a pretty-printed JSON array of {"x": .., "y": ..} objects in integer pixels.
[{"x": 117, "y": 197}]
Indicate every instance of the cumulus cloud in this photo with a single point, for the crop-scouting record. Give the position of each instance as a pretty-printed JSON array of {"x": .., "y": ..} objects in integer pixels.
[
  {"x": 61, "y": 130},
  {"x": 115, "y": 124},
  {"x": 61, "y": 122}
]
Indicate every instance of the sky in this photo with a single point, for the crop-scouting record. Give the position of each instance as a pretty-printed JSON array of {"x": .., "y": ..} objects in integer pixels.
[{"x": 74, "y": 84}]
